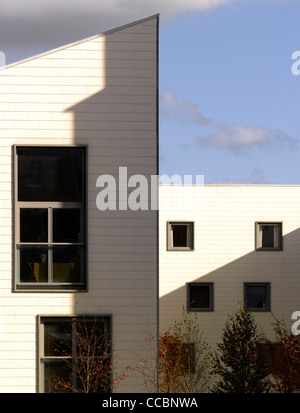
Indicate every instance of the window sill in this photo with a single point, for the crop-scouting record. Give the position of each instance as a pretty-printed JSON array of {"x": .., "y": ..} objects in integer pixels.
[{"x": 57, "y": 287}]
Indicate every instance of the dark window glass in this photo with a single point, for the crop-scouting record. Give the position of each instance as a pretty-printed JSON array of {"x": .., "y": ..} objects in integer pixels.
[
  {"x": 58, "y": 339},
  {"x": 268, "y": 236},
  {"x": 58, "y": 375},
  {"x": 68, "y": 264},
  {"x": 257, "y": 297},
  {"x": 33, "y": 264},
  {"x": 73, "y": 347},
  {"x": 180, "y": 235},
  {"x": 50, "y": 175},
  {"x": 33, "y": 225},
  {"x": 66, "y": 225},
  {"x": 200, "y": 296}
]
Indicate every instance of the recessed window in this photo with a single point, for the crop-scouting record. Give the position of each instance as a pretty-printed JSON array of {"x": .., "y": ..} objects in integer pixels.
[
  {"x": 50, "y": 237},
  {"x": 200, "y": 296},
  {"x": 268, "y": 236},
  {"x": 257, "y": 296},
  {"x": 180, "y": 236},
  {"x": 71, "y": 347}
]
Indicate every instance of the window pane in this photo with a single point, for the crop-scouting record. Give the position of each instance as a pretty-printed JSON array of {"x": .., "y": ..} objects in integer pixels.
[
  {"x": 33, "y": 264},
  {"x": 268, "y": 236},
  {"x": 58, "y": 338},
  {"x": 200, "y": 296},
  {"x": 68, "y": 264},
  {"x": 57, "y": 373},
  {"x": 50, "y": 174},
  {"x": 180, "y": 235},
  {"x": 66, "y": 225},
  {"x": 256, "y": 296},
  {"x": 33, "y": 225}
]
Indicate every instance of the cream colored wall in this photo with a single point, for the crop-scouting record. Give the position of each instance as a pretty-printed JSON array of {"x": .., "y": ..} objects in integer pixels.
[
  {"x": 225, "y": 253},
  {"x": 101, "y": 92}
]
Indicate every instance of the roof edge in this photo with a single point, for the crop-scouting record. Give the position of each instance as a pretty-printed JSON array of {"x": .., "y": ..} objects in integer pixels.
[{"x": 87, "y": 39}]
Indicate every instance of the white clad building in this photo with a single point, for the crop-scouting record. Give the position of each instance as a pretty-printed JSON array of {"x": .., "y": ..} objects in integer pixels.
[
  {"x": 67, "y": 117},
  {"x": 221, "y": 245}
]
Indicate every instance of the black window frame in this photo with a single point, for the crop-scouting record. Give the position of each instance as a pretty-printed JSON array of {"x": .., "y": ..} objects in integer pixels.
[
  {"x": 71, "y": 274},
  {"x": 210, "y": 286}
]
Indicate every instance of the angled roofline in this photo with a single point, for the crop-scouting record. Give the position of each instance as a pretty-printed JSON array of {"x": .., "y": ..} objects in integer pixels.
[{"x": 79, "y": 42}]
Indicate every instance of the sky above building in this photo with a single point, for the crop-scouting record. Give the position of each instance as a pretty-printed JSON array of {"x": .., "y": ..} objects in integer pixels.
[{"x": 229, "y": 77}]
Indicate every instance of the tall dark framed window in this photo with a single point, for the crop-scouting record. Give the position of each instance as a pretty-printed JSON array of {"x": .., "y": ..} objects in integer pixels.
[
  {"x": 74, "y": 354},
  {"x": 50, "y": 218}
]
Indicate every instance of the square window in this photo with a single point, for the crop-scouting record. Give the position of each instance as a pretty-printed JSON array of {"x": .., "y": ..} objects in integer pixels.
[
  {"x": 50, "y": 244},
  {"x": 200, "y": 296},
  {"x": 268, "y": 236},
  {"x": 257, "y": 296},
  {"x": 180, "y": 236}
]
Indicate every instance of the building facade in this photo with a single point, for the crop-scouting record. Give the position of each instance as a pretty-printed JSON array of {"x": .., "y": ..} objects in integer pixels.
[
  {"x": 221, "y": 245},
  {"x": 68, "y": 117}
]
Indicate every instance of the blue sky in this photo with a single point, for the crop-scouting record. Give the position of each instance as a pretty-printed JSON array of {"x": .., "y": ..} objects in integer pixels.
[
  {"x": 229, "y": 102},
  {"x": 233, "y": 66}
]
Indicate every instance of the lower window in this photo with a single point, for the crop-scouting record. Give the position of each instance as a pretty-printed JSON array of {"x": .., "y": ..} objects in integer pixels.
[
  {"x": 74, "y": 354},
  {"x": 200, "y": 296},
  {"x": 257, "y": 296}
]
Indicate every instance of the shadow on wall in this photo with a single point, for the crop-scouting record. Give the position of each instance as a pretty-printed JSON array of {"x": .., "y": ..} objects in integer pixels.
[
  {"x": 280, "y": 269},
  {"x": 119, "y": 126}
]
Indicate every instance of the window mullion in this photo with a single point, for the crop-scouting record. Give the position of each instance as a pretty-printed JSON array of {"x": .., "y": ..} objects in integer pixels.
[{"x": 50, "y": 242}]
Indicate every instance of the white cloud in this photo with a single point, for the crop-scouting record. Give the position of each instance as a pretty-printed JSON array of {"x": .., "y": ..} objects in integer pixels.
[
  {"x": 183, "y": 111},
  {"x": 106, "y": 7},
  {"x": 34, "y": 26},
  {"x": 240, "y": 139}
]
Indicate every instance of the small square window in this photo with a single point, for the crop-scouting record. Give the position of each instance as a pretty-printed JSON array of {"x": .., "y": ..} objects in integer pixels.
[
  {"x": 257, "y": 296},
  {"x": 268, "y": 236},
  {"x": 180, "y": 236},
  {"x": 200, "y": 297}
]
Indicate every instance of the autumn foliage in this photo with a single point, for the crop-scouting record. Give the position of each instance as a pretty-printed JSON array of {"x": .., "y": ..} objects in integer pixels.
[{"x": 283, "y": 359}]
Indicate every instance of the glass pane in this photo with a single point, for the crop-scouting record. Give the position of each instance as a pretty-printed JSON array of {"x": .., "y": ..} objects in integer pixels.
[
  {"x": 58, "y": 338},
  {"x": 256, "y": 296},
  {"x": 66, "y": 225},
  {"x": 268, "y": 236},
  {"x": 180, "y": 235},
  {"x": 68, "y": 264},
  {"x": 200, "y": 296},
  {"x": 33, "y": 264},
  {"x": 33, "y": 225},
  {"x": 57, "y": 376},
  {"x": 91, "y": 338},
  {"x": 50, "y": 174}
]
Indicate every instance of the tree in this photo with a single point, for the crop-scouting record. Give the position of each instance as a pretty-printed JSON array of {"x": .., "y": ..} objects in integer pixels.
[
  {"x": 238, "y": 363},
  {"x": 184, "y": 358},
  {"x": 181, "y": 357},
  {"x": 89, "y": 362},
  {"x": 283, "y": 361}
]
